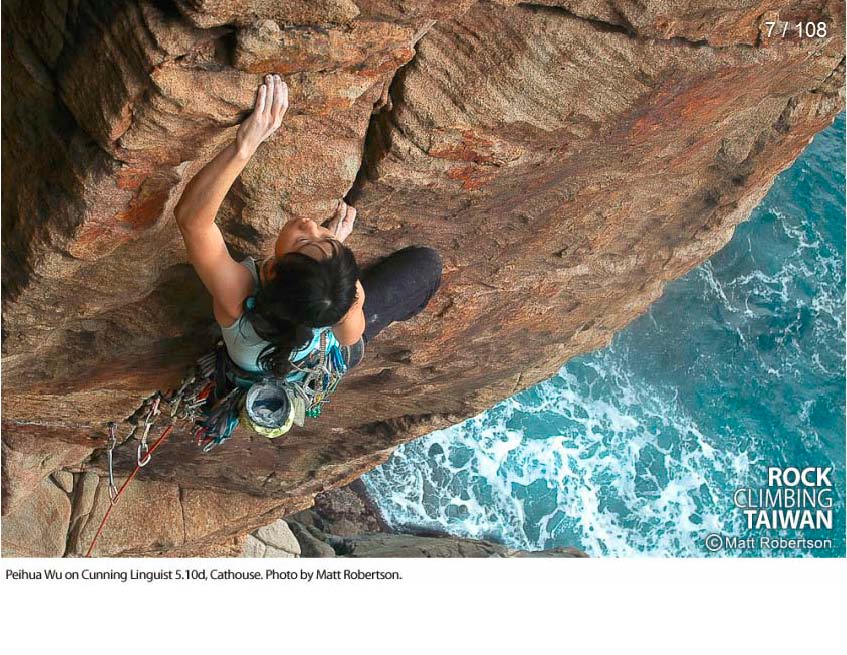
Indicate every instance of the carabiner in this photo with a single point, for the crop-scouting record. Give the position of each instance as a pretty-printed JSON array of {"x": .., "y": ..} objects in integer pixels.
[
  {"x": 144, "y": 459},
  {"x": 141, "y": 458},
  {"x": 175, "y": 406},
  {"x": 113, "y": 440},
  {"x": 147, "y": 426}
]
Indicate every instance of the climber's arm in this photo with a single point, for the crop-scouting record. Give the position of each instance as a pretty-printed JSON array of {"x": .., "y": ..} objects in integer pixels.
[
  {"x": 196, "y": 210},
  {"x": 203, "y": 195},
  {"x": 204, "y": 243}
]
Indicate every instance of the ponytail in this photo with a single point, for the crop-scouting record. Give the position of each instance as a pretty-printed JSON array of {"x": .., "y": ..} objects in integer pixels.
[{"x": 302, "y": 294}]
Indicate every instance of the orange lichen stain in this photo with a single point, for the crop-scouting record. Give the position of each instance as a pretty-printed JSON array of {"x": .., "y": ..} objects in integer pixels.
[
  {"x": 472, "y": 177},
  {"x": 391, "y": 64},
  {"x": 122, "y": 122},
  {"x": 471, "y": 148},
  {"x": 143, "y": 211},
  {"x": 281, "y": 65},
  {"x": 131, "y": 178},
  {"x": 330, "y": 106},
  {"x": 88, "y": 242},
  {"x": 702, "y": 101},
  {"x": 85, "y": 245}
]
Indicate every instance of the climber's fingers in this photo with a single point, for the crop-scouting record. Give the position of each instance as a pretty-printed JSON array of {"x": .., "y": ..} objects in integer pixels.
[
  {"x": 341, "y": 221},
  {"x": 280, "y": 103},
  {"x": 349, "y": 216},
  {"x": 334, "y": 221},
  {"x": 267, "y": 110},
  {"x": 271, "y": 103},
  {"x": 344, "y": 224}
]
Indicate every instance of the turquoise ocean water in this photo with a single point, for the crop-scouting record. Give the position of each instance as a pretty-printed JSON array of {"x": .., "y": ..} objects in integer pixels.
[{"x": 637, "y": 449}]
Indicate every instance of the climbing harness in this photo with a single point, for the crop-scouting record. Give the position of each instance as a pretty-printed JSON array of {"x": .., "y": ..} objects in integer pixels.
[
  {"x": 271, "y": 406},
  {"x": 321, "y": 380}
]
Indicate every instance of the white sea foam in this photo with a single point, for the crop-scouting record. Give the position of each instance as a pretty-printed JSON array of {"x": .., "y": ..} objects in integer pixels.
[{"x": 599, "y": 490}]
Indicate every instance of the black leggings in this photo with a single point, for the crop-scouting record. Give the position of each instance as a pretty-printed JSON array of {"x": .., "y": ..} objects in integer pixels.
[{"x": 399, "y": 286}]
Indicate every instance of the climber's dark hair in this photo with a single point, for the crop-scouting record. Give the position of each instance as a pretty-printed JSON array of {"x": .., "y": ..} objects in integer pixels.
[{"x": 302, "y": 294}]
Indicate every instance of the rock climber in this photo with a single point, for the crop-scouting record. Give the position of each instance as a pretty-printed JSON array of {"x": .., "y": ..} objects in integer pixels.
[{"x": 272, "y": 313}]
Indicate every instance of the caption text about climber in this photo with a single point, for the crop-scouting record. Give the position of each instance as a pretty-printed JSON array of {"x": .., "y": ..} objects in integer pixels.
[{"x": 200, "y": 574}]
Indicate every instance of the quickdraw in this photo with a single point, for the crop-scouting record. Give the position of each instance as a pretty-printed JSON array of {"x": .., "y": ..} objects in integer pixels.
[
  {"x": 321, "y": 379},
  {"x": 181, "y": 408},
  {"x": 221, "y": 421},
  {"x": 116, "y": 496},
  {"x": 113, "y": 441},
  {"x": 143, "y": 451}
]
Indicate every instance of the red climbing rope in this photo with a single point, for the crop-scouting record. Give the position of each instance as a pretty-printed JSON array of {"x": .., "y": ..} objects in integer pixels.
[{"x": 124, "y": 486}]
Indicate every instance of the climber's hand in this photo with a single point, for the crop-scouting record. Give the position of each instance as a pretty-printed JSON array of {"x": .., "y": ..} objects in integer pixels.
[
  {"x": 271, "y": 105},
  {"x": 341, "y": 223}
]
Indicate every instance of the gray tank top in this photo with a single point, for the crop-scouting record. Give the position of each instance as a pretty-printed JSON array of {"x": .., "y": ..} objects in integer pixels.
[{"x": 244, "y": 345}]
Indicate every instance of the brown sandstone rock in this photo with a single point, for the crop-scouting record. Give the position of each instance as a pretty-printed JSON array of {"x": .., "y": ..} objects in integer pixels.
[
  {"x": 208, "y": 513},
  {"x": 566, "y": 160},
  {"x": 147, "y": 519},
  {"x": 720, "y": 23},
  {"x": 27, "y": 461},
  {"x": 38, "y": 526},
  {"x": 566, "y": 181},
  {"x": 365, "y": 45},
  {"x": 343, "y": 512},
  {"x": 218, "y": 12},
  {"x": 85, "y": 490},
  {"x": 155, "y": 518},
  {"x": 64, "y": 480}
]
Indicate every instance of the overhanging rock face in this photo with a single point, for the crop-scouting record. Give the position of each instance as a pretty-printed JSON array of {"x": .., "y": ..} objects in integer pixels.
[{"x": 567, "y": 158}]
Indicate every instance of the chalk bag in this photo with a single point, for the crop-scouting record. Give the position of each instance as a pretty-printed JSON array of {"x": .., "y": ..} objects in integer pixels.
[{"x": 269, "y": 409}]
